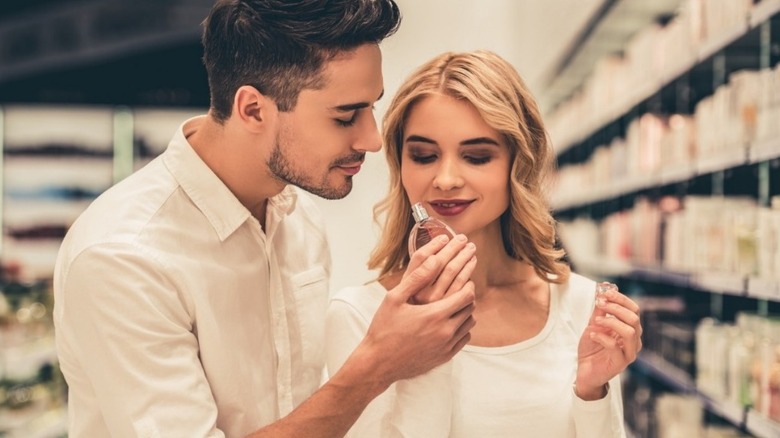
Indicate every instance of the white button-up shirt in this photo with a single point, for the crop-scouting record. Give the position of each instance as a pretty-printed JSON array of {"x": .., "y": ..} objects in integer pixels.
[{"x": 177, "y": 315}]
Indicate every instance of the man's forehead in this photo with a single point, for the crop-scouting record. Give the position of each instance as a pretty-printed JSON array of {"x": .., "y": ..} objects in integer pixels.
[{"x": 354, "y": 78}]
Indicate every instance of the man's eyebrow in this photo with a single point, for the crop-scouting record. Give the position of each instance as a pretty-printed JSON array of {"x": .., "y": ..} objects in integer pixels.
[{"x": 356, "y": 106}]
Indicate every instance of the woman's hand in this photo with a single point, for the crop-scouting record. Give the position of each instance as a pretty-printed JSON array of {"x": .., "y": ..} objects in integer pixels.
[{"x": 610, "y": 342}]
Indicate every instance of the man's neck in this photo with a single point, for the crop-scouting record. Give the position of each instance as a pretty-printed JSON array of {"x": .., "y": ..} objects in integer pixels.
[{"x": 232, "y": 155}]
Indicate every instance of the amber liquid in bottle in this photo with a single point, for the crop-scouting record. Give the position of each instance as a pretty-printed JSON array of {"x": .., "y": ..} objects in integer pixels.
[{"x": 426, "y": 228}]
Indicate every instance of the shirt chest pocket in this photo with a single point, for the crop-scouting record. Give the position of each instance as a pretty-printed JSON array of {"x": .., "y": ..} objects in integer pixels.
[{"x": 310, "y": 289}]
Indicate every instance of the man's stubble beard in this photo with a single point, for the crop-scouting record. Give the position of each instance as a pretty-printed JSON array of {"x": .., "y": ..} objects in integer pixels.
[{"x": 282, "y": 169}]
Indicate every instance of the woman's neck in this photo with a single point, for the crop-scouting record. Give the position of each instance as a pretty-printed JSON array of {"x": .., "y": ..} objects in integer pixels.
[
  {"x": 496, "y": 270},
  {"x": 513, "y": 302}
]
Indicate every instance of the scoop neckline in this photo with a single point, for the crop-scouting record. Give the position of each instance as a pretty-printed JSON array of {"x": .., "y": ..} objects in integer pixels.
[{"x": 552, "y": 318}]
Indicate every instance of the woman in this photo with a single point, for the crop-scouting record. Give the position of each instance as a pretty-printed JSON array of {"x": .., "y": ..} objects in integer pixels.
[{"x": 464, "y": 136}]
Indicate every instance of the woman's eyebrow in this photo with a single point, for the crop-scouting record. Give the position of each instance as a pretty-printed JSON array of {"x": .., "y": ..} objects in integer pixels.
[
  {"x": 469, "y": 142},
  {"x": 419, "y": 139},
  {"x": 479, "y": 140}
]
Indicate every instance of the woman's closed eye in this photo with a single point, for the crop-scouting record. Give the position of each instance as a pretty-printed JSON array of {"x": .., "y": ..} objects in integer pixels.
[
  {"x": 478, "y": 159},
  {"x": 423, "y": 158},
  {"x": 471, "y": 159}
]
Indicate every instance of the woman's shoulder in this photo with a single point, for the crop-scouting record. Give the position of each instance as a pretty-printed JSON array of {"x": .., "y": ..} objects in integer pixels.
[
  {"x": 577, "y": 284},
  {"x": 577, "y": 297},
  {"x": 363, "y": 298}
]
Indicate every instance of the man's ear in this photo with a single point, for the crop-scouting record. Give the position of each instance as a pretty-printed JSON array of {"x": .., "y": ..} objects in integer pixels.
[{"x": 254, "y": 109}]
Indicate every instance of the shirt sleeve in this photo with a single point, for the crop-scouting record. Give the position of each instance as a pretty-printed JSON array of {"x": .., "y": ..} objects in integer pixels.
[
  {"x": 418, "y": 407},
  {"x": 601, "y": 418},
  {"x": 128, "y": 331}
]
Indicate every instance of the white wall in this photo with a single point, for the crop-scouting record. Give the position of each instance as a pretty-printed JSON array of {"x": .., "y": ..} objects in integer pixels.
[{"x": 531, "y": 34}]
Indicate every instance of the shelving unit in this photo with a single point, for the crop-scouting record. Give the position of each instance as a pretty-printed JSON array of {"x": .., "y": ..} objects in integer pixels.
[
  {"x": 53, "y": 169},
  {"x": 760, "y": 15},
  {"x": 656, "y": 366},
  {"x": 713, "y": 282},
  {"x": 745, "y": 169},
  {"x": 614, "y": 23},
  {"x": 743, "y": 418}
]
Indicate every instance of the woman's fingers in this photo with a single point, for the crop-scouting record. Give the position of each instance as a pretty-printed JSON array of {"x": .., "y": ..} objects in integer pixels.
[{"x": 619, "y": 316}]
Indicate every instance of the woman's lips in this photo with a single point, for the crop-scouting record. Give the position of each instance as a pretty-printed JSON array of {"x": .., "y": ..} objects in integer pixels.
[{"x": 449, "y": 207}]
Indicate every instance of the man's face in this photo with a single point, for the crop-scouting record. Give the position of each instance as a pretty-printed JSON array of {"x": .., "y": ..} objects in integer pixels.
[{"x": 321, "y": 144}]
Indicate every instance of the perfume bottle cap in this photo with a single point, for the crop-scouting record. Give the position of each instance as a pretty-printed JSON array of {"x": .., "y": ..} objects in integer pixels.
[
  {"x": 604, "y": 287},
  {"x": 419, "y": 212}
]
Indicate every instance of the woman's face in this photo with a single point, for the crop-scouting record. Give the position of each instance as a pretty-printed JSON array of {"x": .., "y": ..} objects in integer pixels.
[{"x": 455, "y": 163}]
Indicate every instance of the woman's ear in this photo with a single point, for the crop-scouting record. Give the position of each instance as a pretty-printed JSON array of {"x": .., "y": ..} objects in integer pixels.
[{"x": 253, "y": 109}]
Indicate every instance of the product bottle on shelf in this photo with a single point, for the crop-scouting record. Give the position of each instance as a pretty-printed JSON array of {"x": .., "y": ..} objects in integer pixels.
[
  {"x": 703, "y": 336},
  {"x": 773, "y": 378},
  {"x": 741, "y": 354}
]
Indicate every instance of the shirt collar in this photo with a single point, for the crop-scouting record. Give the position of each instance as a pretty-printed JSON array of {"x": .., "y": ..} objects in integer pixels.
[
  {"x": 284, "y": 202},
  {"x": 218, "y": 204}
]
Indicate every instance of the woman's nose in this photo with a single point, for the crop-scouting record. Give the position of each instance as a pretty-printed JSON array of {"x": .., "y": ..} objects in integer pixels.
[{"x": 448, "y": 176}]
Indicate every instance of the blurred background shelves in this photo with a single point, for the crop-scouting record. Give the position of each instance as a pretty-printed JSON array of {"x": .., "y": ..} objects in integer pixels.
[
  {"x": 653, "y": 364},
  {"x": 50, "y": 175},
  {"x": 668, "y": 184}
]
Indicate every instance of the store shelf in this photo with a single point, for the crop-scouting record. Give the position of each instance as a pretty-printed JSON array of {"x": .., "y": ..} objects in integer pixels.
[
  {"x": 678, "y": 173},
  {"x": 597, "y": 194},
  {"x": 714, "y": 282},
  {"x": 607, "y": 32},
  {"x": 657, "y": 367},
  {"x": 761, "y": 426},
  {"x": 609, "y": 115},
  {"x": 731, "y": 157},
  {"x": 762, "y": 151},
  {"x": 763, "y": 289},
  {"x": 735, "y": 171},
  {"x": 662, "y": 370},
  {"x": 720, "y": 282},
  {"x": 760, "y": 14},
  {"x": 716, "y": 44},
  {"x": 661, "y": 275},
  {"x": 763, "y": 11}
]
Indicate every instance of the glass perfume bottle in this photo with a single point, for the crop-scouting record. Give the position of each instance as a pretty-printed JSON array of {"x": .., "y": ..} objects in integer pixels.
[
  {"x": 425, "y": 228},
  {"x": 604, "y": 287}
]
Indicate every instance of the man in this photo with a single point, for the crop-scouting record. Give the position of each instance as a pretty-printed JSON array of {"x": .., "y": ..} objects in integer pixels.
[{"x": 190, "y": 298}]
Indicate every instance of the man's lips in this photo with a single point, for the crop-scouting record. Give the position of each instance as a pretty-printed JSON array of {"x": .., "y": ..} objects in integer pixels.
[
  {"x": 351, "y": 168},
  {"x": 449, "y": 207}
]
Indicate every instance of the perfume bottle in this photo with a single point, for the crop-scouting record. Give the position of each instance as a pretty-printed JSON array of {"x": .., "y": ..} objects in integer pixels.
[
  {"x": 425, "y": 228},
  {"x": 604, "y": 287}
]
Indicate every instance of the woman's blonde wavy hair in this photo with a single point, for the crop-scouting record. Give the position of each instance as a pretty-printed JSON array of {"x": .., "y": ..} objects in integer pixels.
[{"x": 495, "y": 88}]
